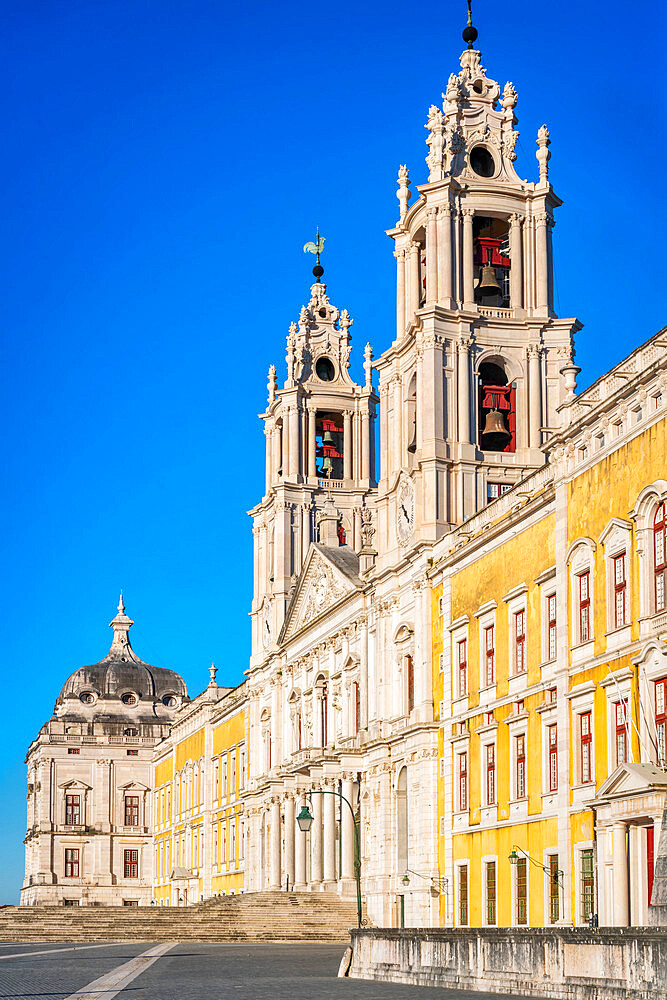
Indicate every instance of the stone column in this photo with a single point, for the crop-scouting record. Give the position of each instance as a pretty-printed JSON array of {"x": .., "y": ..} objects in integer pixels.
[
  {"x": 316, "y": 840},
  {"x": 516, "y": 257},
  {"x": 293, "y": 420},
  {"x": 431, "y": 256},
  {"x": 312, "y": 467},
  {"x": 274, "y": 845},
  {"x": 468, "y": 290},
  {"x": 347, "y": 830},
  {"x": 329, "y": 823},
  {"x": 445, "y": 256},
  {"x": 365, "y": 447},
  {"x": 285, "y": 442},
  {"x": 290, "y": 834},
  {"x": 305, "y": 528},
  {"x": 400, "y": 292},
  {"x": 542, "y": 261},
  {"x": 268, "y": 434},
  {"x": 413, "y": 282},
  {"x": 299, "y": 848},
  {"x": 535, "y": 395},
  {"x": 363, "y": 675},
  {"x": 464, "y": 390},
  {"x": 620, "y": 875},
  {"x": 347, "y": 444}
]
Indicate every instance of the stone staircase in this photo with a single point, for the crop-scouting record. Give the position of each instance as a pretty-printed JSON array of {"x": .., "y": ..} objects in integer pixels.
[{"x": 257, "y": 916}]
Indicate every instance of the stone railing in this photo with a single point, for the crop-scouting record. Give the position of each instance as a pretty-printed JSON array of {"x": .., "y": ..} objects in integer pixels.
[
  {"x": 524, "y": 489},
  {"x": 569, "y": 963},
  {"x": 495, "y": 312}
]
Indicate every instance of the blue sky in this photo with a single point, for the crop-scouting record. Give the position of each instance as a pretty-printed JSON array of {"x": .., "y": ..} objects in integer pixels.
[{"x": 164, "y": 163}]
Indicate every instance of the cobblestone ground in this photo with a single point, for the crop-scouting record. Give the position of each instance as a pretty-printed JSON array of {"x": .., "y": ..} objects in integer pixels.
[{"x": 199, "y": 972}]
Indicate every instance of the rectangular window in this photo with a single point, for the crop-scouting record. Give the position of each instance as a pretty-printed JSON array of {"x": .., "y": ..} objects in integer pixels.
[
  {"x": 490, "y": 655},
  {"x": 241, "y": 839},
  {"x": 73, "y": 750},
  {"x": 73, "y": 810},
  {"x": 661, "y": 720},
  {"x": 357, "y": 708},
  {"x": 554, "y": 899},
  {"x": 463, "y": 667},
  {"x": 232, "y": 774},
  {"x": 551, "y": 626},
  {"x": 621, "y": 733},
  {"x": 242, "y": 782},
  {"x": 587, "y": 891},
  {"x": 520, "y": 642},
  {"x": 131, "y": 810},
  {"x": 132, "y": 753},
  {"x": 490, "y": 774},
  {"x": 131, "y": 864},
  {"x": 411, "y": 684},
  {"x": 463, "y": 781},
  {"x": 586, "y": 740},
  {"x": 521, "y": 892},
  {"x": 216, "y": 777},
  {"x": 491, "y": 894},
  {"x": 224, "y": 844},
  {"x": 224, "y": 776},
  {"x": 233, "y": 842},
  {"x": 71, "y": 862},
  {"x": 463, "y": 895},
  {"x": 584, "y": 607},
  {"x": 495, "y": 490},
  {"x": 619, "y": 591},
  {"x": 552, "y": 734},
  {"x": 520, "y": 764}
]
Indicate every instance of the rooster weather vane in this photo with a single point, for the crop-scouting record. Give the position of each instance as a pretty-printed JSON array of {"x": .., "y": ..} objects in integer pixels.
[{"x": 316, "y": 248}]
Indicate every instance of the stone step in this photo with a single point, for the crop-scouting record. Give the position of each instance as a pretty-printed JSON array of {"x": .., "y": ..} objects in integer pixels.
[{"x": 264, "y": 916}]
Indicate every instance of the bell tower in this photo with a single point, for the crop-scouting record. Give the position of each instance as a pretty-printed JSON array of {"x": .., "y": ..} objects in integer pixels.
[
  {"x": 471, "y": 385},
  {"x": 320, "y": 457}
]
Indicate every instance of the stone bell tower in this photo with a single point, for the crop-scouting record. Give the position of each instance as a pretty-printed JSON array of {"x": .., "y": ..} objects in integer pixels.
[
  {"x": 320, "y": 458},
  {"x": 480, "y": 362}
]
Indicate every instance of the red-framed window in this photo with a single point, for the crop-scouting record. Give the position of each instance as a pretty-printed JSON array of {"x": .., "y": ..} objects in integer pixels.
[
  {"x": 71, "y": 862},
  {"x": 72, "y": 810},
  {"x": 552, "y": 738},
  {"x": 621, "y": 731},
  {"x": 551, "y": 626},
  {"x": 584, "y": 607},
  {"x": 462, "y": 660},
  {"x": 131, "y": 810},
  {"x": 661, "y": 720},
  {"x": 463, "y": 781},
  {"x": 411, "y": 684},
  {"x": 619, "y": 591},
  {"x": 585, "y": 746},
  {"x": 660, "y": 556},
  {"x": 495, "y": 490},
  {"x": 73, "y": 750},
  {"x": 490, "y": 774},
  {"x": 490, "y": 655},
  {"x": 131, "y": 864},
  {"x": 132, "y": 753},
  {"x": 357, "y": 707},
  {"x": 520, "y": 642},
  {"x": 520, "y": 766}
]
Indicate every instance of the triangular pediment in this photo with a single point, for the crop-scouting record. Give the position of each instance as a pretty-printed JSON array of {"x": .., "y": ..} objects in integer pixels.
[
  {"x": 328, "y": 576},
  {"x": 133, "y": 786},
  {"x": 632, "y": 779},
  {"x": 75, "y": 783}
]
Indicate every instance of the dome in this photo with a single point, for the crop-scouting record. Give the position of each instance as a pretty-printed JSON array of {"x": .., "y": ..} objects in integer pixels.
[{"x": 121, "y": 676}]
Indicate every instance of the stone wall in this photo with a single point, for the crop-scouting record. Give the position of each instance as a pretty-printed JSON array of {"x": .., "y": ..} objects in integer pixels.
[{"x": 572, "y": 963}]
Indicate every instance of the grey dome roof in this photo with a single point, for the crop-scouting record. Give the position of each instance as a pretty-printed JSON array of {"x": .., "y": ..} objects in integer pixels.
[{"x": 122, "y": 671}]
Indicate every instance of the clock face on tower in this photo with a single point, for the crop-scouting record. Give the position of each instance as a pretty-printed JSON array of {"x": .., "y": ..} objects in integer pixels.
[{"x": 405, "y": 512}]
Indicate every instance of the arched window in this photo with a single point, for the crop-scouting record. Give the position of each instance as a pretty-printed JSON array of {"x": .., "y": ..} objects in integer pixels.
[
  {"x": 659, "y": 556},
  {"x": 402, "y": 820},
  {"x": 497, "y": 409},
  {"x": 410, "y": 671},
  {"x": 411, "y": 415},
  {"x": 357, "y": 707}
]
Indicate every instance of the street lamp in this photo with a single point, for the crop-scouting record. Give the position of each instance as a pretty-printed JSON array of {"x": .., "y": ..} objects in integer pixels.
[
  {"x": 305, "y": 821},
  {"x": 557, "y": 876}
]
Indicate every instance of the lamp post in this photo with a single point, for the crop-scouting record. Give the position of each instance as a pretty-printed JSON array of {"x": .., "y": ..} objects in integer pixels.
[
  {"x": 513, "y": 859},
  {"x": 305, "y": 821}
]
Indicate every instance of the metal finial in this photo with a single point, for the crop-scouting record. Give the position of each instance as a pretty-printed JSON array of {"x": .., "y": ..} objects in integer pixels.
[
  {"x": 316, "y": 248},
  {"x": 121, "y": 606},
  {"x": 469, "y": 32}
]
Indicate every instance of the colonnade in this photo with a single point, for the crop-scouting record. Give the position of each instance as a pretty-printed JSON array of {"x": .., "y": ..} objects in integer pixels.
[{"x": 313, "y": 861}]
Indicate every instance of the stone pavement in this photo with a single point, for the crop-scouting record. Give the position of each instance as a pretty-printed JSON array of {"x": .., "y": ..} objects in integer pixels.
[{"x": 196, "y": 972}]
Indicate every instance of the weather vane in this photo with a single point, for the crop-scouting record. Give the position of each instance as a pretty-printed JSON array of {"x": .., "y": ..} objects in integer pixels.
[
  {"x": 469, "y": 32},
  {"x": 316, "y": 248}
]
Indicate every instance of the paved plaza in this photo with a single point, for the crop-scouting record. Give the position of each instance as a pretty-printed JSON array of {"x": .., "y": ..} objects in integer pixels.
[{"x": 192, "y": 971}]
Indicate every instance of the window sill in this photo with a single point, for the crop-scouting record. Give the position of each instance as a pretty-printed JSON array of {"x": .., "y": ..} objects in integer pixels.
[
  {"x": 618, "y": 637},
  {"x": 518, "y": 682},
  {"x": 582, "y": 651}
]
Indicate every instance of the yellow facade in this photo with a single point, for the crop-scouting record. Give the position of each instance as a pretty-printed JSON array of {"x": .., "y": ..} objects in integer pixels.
[
  {"x": 200, "y": 777},
  {"x": 553, "y": 587}
]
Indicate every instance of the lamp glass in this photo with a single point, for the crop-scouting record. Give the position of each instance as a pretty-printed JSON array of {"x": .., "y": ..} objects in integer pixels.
[
  {"x": 513, "y": 858},
  {"x": 304, "y": 819}
]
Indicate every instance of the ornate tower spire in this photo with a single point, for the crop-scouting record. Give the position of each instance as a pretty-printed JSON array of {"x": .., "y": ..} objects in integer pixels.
[
  {"x": 121, "y": 625},
  {"x": 469, "y": 32}
]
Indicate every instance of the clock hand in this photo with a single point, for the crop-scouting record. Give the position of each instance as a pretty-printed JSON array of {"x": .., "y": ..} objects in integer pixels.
[{"x": 407, "y": 517}]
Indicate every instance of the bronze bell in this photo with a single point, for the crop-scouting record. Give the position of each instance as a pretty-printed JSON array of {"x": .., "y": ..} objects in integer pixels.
[
  {"x": 327, "y": 466},
  {"x": 495, "y": 424},
  {"x": 489, "y": 283},
  {"x": 327, "y": 437},
  {"x": 412, "y": 447}
]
